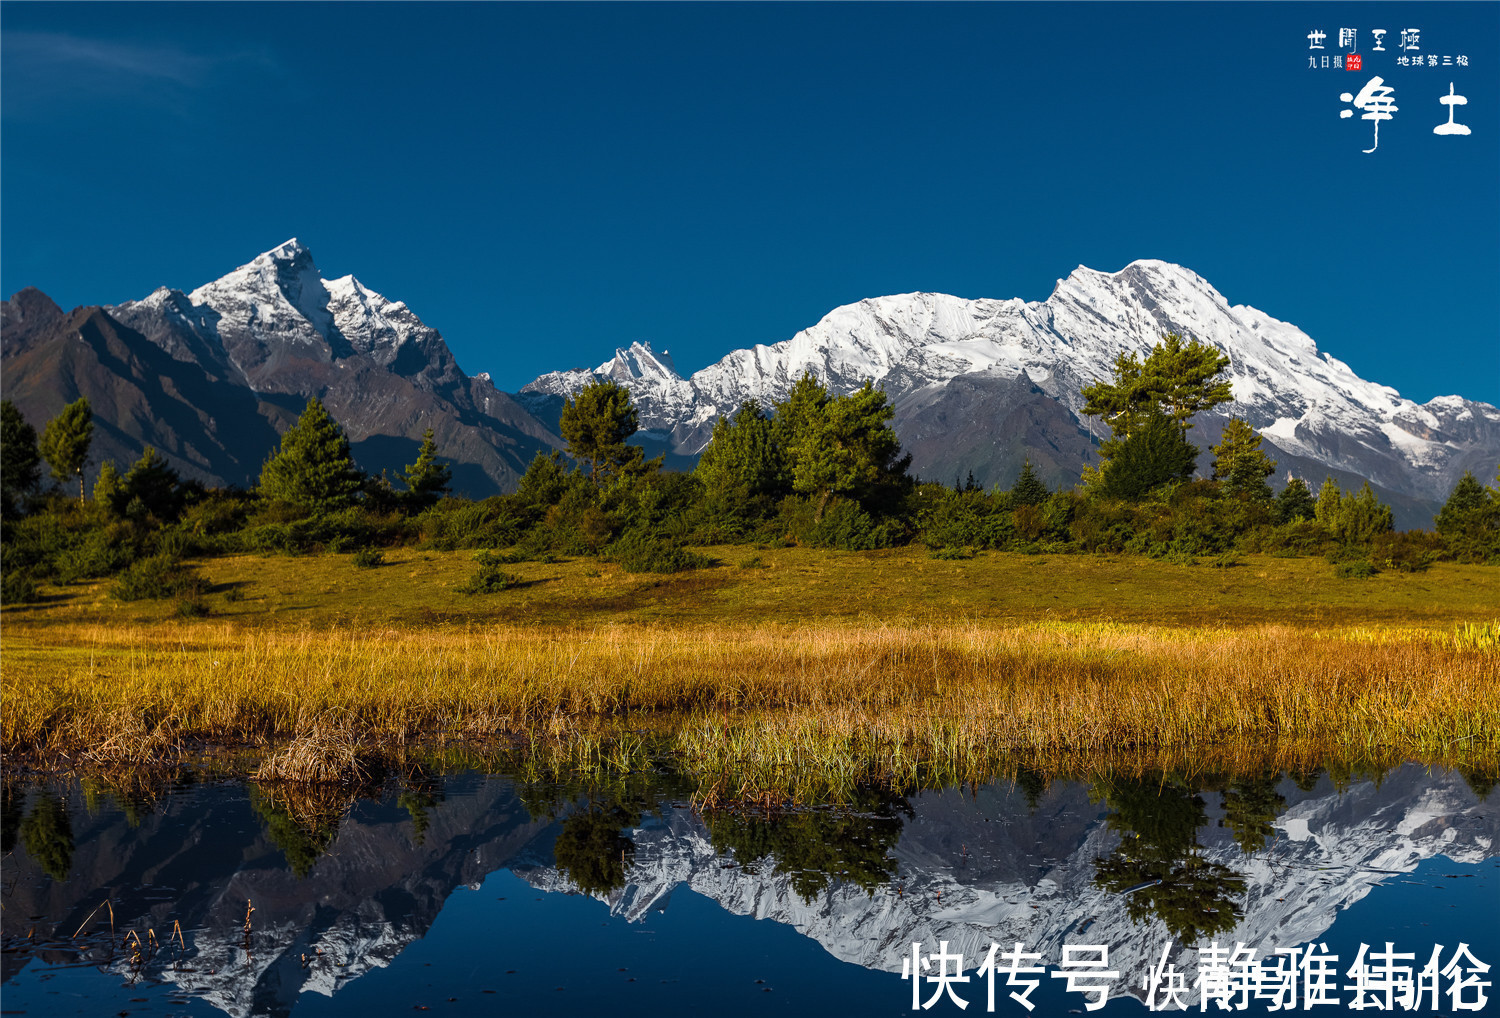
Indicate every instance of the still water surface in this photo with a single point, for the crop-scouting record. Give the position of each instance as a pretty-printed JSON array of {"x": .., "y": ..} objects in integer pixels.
[{"x": 481, "y": 894}]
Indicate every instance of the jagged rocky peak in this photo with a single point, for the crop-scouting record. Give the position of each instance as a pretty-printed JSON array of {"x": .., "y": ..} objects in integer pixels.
[
  {"x": 638, "y": 361},
  {"x": 27, "y": 313}
]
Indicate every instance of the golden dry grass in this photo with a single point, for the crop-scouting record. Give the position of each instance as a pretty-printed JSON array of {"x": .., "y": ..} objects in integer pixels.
[
  {"x": 814, "y": 666},
  {"x": 771, "y": 698}
]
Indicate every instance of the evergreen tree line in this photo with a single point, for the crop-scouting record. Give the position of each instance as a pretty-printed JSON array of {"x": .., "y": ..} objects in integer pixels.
[{"x": 813, "y": 468}]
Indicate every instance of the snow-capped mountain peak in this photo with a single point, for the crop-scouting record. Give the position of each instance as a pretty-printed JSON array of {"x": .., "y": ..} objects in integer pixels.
[
  {"x": 1309, "y": 404},
  {"x": 279, "y": 305}
]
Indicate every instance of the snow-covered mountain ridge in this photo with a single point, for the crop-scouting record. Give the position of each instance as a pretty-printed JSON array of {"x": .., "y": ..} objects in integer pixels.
[{"x": 1308, "y": 404}]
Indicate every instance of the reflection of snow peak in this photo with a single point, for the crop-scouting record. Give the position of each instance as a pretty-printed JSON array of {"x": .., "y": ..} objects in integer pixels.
[
  {"x": 1336, "y": 848},
  {"x": 377, "y": 893}
]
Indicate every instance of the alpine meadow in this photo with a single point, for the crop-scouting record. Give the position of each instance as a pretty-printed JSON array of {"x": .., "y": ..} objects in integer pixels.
[{"x": 798, "y": 605}]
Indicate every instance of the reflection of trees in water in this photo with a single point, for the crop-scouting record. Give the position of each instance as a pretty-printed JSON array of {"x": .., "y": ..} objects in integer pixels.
[
  {"x": 592, "y": 851},
  {"x": 12, "y": 808},
  {"x": 1250, "y": 804},
  {"x": 1158, "y": 819},
  {"x": 301, "y": 821},
  {"x": 1033, "y": 785},
  {"x": 596, "y": 806},
  {"x": 135, "y": 791},
  {"x": 48, "y": 835},
  {"x": 420, "y": 793},
  {"x": 1306, "y": 779},
  {"x": 814, "y": 847},
  {"x": 1481, "y": 783}
]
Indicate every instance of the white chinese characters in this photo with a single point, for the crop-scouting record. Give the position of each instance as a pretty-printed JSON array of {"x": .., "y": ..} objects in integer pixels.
[
  {"x": 1375, "y": 99},
  {"x": 1228, "y": 979},
  {"x": 1450, "y": 100}
]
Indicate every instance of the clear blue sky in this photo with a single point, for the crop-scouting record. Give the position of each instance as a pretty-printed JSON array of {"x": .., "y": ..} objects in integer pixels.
[{"x": 543, "y": 183}]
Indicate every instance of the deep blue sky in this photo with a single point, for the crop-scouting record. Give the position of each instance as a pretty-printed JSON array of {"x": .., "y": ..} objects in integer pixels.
[{"x": 543, "y": 183}]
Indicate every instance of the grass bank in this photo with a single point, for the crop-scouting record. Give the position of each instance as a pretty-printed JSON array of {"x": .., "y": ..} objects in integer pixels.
[{"x": 783, "y": 665}]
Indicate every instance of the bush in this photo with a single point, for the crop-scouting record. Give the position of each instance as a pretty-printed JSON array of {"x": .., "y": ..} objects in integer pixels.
[
  {"x": 845, "y": 525},
  {"x": 157, "y": 577},
  {"x": 489, "y": 578},
  {"x": 951, "y": 554},
  {"x": 17, "y": 587},
  {"x": 369, "y": 558},
  {"x": 1355, "y": 569},
  {"x": 458, "y": 523},
  {"x": 99, "y": 551},
  {"x": 192, "y": 607},
  {"x": 1410, "y": 551},
  {"x": 639, "y": 553}
]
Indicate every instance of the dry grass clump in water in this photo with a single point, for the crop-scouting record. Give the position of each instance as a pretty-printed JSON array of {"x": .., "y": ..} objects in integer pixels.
[{"x": 327, "y": 754}]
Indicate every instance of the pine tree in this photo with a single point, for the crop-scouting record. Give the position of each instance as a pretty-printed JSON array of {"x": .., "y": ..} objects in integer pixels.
[
  {"x": 1156, "y": 453},
  {"x": 1184, "y": 375},
  {"x": 427, "y": 480},
  {"x": 65, "y": 442},
  {"x": 745, "y": 456},
  {"x": 151, "y": 486},
  {"x": 1468, "y": 504},
  {"x": 1178, "y": 378},
  {"x": 1364, "y": 516},
  {"x": 20, "y": 460},
  {"x": 1329, "y": 510},
  {"x": 1239, "y": 465},
  {"x": 109, "y": 493},
  {"x": 314, "y": 470},
  {"x": 596, "y": 423},
  {"x": 1295, "y": 502},
  {"x": 1029, "y": 489},
  {"x": 1470, "y": 520},
  {"x": 846, "y": 447}
]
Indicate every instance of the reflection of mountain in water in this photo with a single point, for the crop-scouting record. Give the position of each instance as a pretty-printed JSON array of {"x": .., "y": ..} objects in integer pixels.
[
  {"x": 969, "y": 869},
  {"x": 979, "y": 869},
  {"x": 378, "y": 888}
]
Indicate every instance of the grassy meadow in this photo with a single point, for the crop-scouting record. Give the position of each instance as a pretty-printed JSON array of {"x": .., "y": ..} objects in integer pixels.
[{"x": 770, "y": 669}]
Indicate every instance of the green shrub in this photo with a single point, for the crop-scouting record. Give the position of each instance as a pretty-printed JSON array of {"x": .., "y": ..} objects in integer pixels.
[
  {"x": 638, "y": 553},
  {"x": 753, "y": 562},
  {"x": 99, "y": 551},
  {"x": 17, "y": 587},
  {"x": 489, "y": 577},
  {"x": 192, "y": 607},
  {"x": 1410, "y": 551},
  {"x": 845, "y": 525},
  {"x": 155, "y": 578},
  {"x": 458, "y": 523},
  {"x": 951, "y": 554},
  {"x": 369, "y": 558},
  {"x": 1355, "y": 569}
]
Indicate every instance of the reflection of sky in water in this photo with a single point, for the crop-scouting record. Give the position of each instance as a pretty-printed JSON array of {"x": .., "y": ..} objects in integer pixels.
[{"x": 404, "y": 920}]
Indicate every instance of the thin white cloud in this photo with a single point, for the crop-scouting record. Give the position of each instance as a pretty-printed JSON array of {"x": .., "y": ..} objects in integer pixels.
[
  {"x": 43, "y": 69},
  {"x": 55, "y": 52}
]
